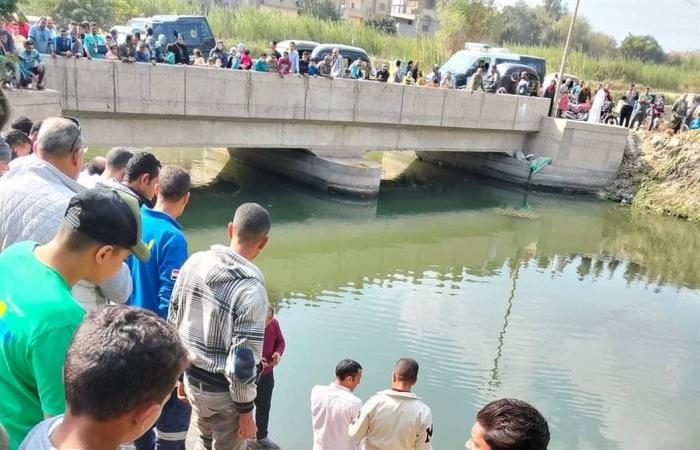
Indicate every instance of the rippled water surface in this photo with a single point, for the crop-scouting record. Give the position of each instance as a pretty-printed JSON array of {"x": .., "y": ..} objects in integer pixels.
[{"x": 575, "y": 305}]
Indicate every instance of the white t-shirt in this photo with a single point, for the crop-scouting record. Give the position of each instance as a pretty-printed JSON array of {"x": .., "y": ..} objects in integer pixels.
[
  {"x": 393, "y": 420},
  {"x": 333, "y": 408},
  {"x": 38, "y": 438}
]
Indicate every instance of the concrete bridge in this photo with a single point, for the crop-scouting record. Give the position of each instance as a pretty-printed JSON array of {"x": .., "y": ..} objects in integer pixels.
[{"x": 334, "y": 121}]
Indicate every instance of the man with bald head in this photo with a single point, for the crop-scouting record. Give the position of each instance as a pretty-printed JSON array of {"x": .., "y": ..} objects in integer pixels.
[
  {"x": 219, "y": 307},
  {"x": 395, "y": 418},
  {"x": 34, "y": 195}
]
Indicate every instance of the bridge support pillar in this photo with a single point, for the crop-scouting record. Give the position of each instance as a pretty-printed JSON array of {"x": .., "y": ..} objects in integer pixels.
[{"x": 354, "y": 176}]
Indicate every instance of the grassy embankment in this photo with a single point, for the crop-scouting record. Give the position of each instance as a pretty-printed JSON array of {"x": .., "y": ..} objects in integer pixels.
[{"x": 257, "y": 27}]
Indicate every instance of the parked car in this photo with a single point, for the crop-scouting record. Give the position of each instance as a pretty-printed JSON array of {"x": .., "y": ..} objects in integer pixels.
[
  {"x": 553, "y": 76},
  {"x": 194, "y": 29},
  {"x": 464, "y": 63},
  {"x": 510, "y": 76},
  {"x": 348, "y": 52},
  {"x": 302, "y": 46}
]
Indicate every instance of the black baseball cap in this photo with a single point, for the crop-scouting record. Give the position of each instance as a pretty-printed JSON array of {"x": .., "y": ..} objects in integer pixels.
[{"x": 108, "y": 216}]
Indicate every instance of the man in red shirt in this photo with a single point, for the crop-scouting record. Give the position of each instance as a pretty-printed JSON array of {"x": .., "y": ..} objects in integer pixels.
[
  {"x": 284, "y": 64},
  {"x": 273, "y": 348}
]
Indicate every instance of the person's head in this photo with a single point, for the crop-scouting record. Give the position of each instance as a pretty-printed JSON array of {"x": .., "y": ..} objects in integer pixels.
[
  {"x": 93, "y": 28},
  {"x": 448, "y": 75},
  {"x": 114, "y": 48},
  {"x": 336, "y": 52},
  {"x": 100, "y": 229},
  {"x": 174, "y": 185},
  {"x": 553, "y": 83},
  {"x": 117, "y": 159},
  {"x": 211, "y": 60},
  {"x": 62, "y": 33},
  {"x": 197, "y": 52},
  {"x": 384, "y": 67},
  {"x": 284, "y": 54},
  {"x": 5, "y": 157},
  {"x": 292, "y": 46},
  {"x": 109, "y": 41},
  {"x": 161, "y": 39},
  {"x": 84, "y": 27},
  {"x": 523, "y": 75},
  {"x": 632, "y": 86},
  {"x": 59, "y": 143},
  {"x": 305, "y": 56},
  {"x": 220, "y": 45},
  {"x": 142, "y": 173},
  {"x": 398, "y": 63},
  {"x": 405, "y": 374},
  {"x": 137, "y": 36},
  {"x": 22, "y": 123},
  {"x": 129, "y": 39},
  {"x": 647, "y": 90},
  {"x": 170, "y": 48},
  {"x": 96, "y": 166},
  {"x": 509, "y": 424},
  {"x": 149, "y": 31},
  {"x": 246, "y": 52},
  {"x": 479, "y": 71},
  {"x": 270, "y": 314},
  {"x": 29, "y": 45},
  {"x": 263, "y": 56},
  {"x": 142, "y": 47},
  {"x": 113, "y": 34},
  {"x": 19, "y": 143},
  {"x": 42, "y": 23},
  {"x": 348, "y": 373},
  {"x": 327, "y": 58},
  {"x": 180, "y": 40},
  {"x": 249, "y": 229},
  {"x": 121, "y": 368},
  {"x": 273, "y": 45}
]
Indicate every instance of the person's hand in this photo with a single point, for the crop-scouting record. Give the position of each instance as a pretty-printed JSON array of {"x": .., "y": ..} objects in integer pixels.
[
  {"x": 181, "y": 394},
  {"x": 246, "y": 426},
  {"x": 276, "y": 357}
]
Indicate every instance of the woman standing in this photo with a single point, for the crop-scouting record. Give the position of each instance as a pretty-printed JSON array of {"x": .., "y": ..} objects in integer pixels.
[
  {"x": 597, "y": 107},
  {"x": 273, "y": 348}
]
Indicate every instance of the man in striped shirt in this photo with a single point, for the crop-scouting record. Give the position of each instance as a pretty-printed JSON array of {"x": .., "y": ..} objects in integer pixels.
[{"x": 218, "y": 307}]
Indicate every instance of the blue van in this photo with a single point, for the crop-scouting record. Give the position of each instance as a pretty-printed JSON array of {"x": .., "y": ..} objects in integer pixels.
[{"x": 194, "y": 29}]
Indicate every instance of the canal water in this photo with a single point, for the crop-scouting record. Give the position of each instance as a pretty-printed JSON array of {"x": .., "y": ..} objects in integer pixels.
[{"x": 587, "y": 311}]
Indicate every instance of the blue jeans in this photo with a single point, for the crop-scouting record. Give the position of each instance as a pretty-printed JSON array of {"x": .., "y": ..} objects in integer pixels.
[{"x": 170, "y": 429}]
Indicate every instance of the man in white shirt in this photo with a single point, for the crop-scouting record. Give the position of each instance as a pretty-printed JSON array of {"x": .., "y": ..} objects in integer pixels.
[
  {"x": 396, "y": 418},
  {"x": 334, "y": 407}
]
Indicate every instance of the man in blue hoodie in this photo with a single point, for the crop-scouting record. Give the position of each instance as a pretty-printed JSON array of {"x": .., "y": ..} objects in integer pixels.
[{"x": 153, "y": 285}]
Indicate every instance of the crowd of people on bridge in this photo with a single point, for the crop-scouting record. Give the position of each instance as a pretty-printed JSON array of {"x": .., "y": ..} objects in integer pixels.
[{"x": 111, "y": 332}]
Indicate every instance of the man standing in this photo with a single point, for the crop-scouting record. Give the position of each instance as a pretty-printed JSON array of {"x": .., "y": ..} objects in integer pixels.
[
  {"x": 641, "y": 108},
  {"x": 94, "y": 44},
  {"x": 100, "y": 229},
  {"x": 153, "y": 285},
  {"x": 218, "y": 306},
  {"x": 42, "y": 37},
  {"x": 395, "y": 419},
  {"x": 509, "y": 424},
  {"x": 334, "y": 407},
  {"x": 629, "y": 100},
  {"x": 140, "y": 177},
  {"x": 294, "y": 57},
  {"x": 34, "y": 195}
]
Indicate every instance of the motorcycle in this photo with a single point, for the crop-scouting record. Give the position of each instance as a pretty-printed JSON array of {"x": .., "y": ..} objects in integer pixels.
[
  {"x": 577, "y": 111},
  {"x": 607, "y": 115}
]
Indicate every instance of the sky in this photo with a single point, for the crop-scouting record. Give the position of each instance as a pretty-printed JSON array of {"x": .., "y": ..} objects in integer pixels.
[{"x": 674, "y": 23}]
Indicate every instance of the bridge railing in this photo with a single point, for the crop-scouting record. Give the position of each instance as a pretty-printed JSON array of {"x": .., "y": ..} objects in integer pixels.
[{"x": 163, "y": 90}]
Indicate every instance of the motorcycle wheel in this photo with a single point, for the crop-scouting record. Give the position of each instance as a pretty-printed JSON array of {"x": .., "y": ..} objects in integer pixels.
[{"x": 611, "y": 120}]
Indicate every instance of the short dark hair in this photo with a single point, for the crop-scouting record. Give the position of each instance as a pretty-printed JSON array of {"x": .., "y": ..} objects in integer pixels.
[
  {"x": 511, "y": 424},
  {"x": 347, "y": 368},
  {"x": 251, "y": 222},
  {"x": 16, "y": 137},
  {"x": 142, "y": 163},
  {"x": 36, "y": 126},
  {"x": 22, "y": 123},
  {"x": 74, "y": 240},
  {"x": 406, "y": 369},
  {"x": 120, "y": 358},
  {"x": 174, "y": 183},
  {"x": 118, "y": 158},
  {"x": 96, "y": 166}
]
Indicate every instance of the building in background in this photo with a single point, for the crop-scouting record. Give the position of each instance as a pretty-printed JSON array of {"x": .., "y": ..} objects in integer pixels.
[{"x": 415, "y": 17}]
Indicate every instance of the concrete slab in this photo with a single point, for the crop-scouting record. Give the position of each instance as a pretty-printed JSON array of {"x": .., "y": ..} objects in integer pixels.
[
  {"x": 216, "y": 92},
  {"x": 38, "y": 105},
  {"x": 498, "y": 112},
  {"x": 94, "y": 84},
  {"x": 462, "y": 108},
  {"x": 379, "y": 103},
  {"x": 147, "y": 89},
  {"x": 343, "y": 100},
  {"x": 318, "y": 98},
  {"x": 272, "y": 97},
  {"x": 422, "y": 106},
  {"x": 529, "y": 113}
]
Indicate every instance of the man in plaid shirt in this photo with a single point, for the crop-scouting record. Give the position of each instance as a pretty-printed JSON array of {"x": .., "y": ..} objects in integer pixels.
[{"x": 218, "y": 307}]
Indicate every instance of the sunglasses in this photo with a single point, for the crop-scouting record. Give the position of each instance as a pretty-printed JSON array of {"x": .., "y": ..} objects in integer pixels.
[{"x": 80, "y": 132}]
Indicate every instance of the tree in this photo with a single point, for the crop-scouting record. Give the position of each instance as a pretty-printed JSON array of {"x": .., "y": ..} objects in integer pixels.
[
  {"x": 521, "y": 25},
  {"x": 468, "y": 20},
  {"x": 646, "y": 48},
  {"x": 601, "y": 44},
  {"x": 322, "y": 9},
  {"x": 554, "y": 9},
  {"x": 384, "y": 24}
]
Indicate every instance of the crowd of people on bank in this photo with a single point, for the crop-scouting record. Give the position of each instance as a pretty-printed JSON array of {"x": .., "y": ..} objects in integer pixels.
[{"x": 111, "y": 332}]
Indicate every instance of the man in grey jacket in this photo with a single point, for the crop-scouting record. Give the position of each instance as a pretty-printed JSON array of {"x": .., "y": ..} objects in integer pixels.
[{"x": 34, "y": 195}]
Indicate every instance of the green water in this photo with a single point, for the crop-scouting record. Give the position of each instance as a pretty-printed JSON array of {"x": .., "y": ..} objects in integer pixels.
[{"x": 581, "y": 308}]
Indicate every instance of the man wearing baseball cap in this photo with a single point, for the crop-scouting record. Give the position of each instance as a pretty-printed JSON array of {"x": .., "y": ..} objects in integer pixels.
[{"x": 38, "y": 314}]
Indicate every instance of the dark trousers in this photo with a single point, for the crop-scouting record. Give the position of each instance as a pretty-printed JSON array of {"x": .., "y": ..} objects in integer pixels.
[
  {"x": 626, "y": 115},
  {"x": 27, "y": 78},
  {"x": 170, "y": 429},
  {"x": 262, "y": 403}
]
